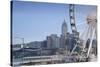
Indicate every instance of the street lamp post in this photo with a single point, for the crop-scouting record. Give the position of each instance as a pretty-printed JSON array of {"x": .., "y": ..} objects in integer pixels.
[{"x": 22, "y": 46}]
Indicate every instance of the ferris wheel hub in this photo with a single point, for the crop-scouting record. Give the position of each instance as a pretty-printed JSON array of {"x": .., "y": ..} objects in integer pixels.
[{"x": 91, "y": 19}]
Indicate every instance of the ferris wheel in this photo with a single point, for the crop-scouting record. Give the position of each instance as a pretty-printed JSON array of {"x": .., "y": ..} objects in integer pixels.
[{"x": 89, "y": 33}]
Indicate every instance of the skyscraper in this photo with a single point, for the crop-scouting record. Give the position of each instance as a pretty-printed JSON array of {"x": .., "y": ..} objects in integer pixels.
[
  {"x": 53, "y": 41},
  {"x": 49, "y": 42},
  {"x": 64, "y": 28},
  {"x": 63, "y": 35}
]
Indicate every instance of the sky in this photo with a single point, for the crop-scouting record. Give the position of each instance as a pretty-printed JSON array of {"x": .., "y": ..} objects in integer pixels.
[{"x": 34, "y": 21}]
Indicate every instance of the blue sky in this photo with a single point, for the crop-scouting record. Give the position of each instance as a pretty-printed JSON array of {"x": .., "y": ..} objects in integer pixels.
[{"x": 34, "y": 21}]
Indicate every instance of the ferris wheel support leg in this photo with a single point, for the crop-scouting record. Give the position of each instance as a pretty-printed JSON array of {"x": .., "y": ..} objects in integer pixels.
[
  {"x": 73, "y": 49},
  {"x": 90, "y": 45},
  {"x": 86, "y": 36}
]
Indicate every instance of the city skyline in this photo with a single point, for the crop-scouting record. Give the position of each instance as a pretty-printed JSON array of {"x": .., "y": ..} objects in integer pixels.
[
  {"x": 51, "y": 33},
  {"x": 34, "y": 21}
]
